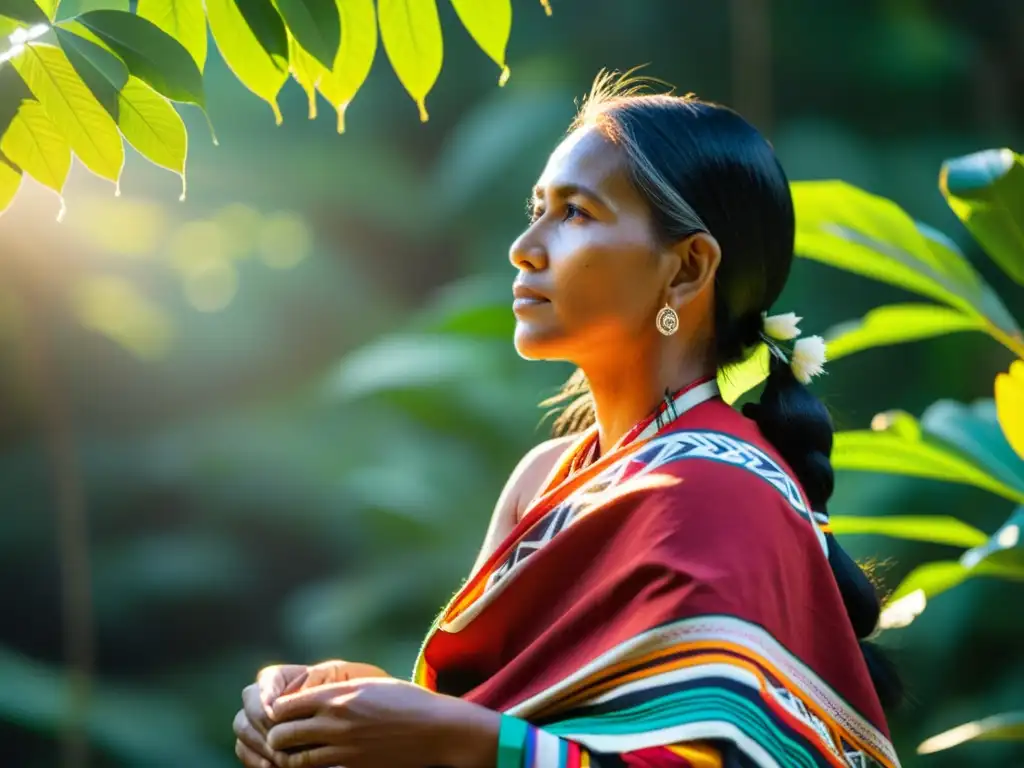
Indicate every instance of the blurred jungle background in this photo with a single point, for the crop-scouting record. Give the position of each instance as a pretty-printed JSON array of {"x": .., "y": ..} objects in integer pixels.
[{"x": 286, "y": 405}]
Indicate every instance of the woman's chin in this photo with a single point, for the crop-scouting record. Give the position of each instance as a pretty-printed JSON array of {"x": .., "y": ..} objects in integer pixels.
[{"x": 533, "y": 343}]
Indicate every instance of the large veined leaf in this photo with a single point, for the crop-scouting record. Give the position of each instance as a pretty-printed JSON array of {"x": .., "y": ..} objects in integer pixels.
[
  {"x": 1007, "y": 726},
  {"x": 897, "y": 324},
  {"x": 986, "y": 190},
  {"x": 34, "y": 144},
  {"x": 150, "y": 124},
  {"x": 10, "y": 180},
  {"x": 1010, "y": 405},
  {"x": 306, "y": 70},
  {"x": 902, "y": 453},
  {"x": 340, "y": 84},
  {"x": 151, "y": 54},
  {"x": 265, "y": 22},
  {"x": 261, "y": 69},
  {"x": 25, "y": 11},
  {"x": 316, "y": 25},
  {"x": 490, "y": 24},
  {"x": 184, "y": 20},
  {"x": 411, "y": 33},
  {"x": 846, "y": 227},
  {"x": 101, "y": 70},
  {"x": 974, "y": 430},
  {"x": 86, "y": 125},
  {"x": 936, "y": 529}
]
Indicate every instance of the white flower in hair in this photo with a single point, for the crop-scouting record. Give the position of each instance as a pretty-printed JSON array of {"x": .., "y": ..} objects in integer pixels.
[
  {"x": 782, "y": 327},
  {"x": 808, "y": 358}
]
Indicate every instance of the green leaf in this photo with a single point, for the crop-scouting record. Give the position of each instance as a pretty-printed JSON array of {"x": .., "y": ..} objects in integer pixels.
[
  {"x": 931, "y": 578},
  {"x": 150, "y": 124},
  {"x": 86, "y": 125},
  {"x": 900, "y": 453},
  {"x": 102, "y": 71},
  {"x": 1007, "y": 726},
  {"x": 355, "y": 56},
  {"x": 10, "y": 180},
  {"x": 24, "y": 11},
  {"x": 937, "y": 529},
  {"x": 184, "y": 20},
  {"x": 897, "y": 324},
  {"x": 316, "y": 24},
  {"x": 739, "y": 378},
  {"x": 489, "y": 22},
  {"x": 411, "y": 33},
  {"x": 7, "y": 26},
  {"x": 151, "y": 54},
  {"x": 33, "y": 143},
  {"x": 1004, "y": 549},
  {"x": 975, "y": 430},
  {"x": 69, "y": 9},
  {"x": 253, "y": 57},
  {"x": 846, "y": 227},
  {"x": 986, "y": 190},
  {"x": 306, "y": 70}
]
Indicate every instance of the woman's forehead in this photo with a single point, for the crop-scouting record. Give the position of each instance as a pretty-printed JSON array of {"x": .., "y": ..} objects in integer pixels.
[{"x": 586, "y": 158}]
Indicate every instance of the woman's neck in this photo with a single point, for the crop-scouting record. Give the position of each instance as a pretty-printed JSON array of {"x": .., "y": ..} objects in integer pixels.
[{"x": 626, "y": 393}]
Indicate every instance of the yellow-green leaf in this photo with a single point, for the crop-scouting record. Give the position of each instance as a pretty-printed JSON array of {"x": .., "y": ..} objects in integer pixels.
[
  {"x": 986, "y": 190},
  {"x": 150, "y": 124},
  {"x": 306, "y": 70},
  {"x": 902, "y": 454},
  {"x": 1008, "y": 726},
  {"x": 69, "y": 9},
  {"x": 49, "y": 7},
  {"x": 25, "y": 11},
  {"x": 315, "y": 24},
  {"x": 10, "y": 180},
  {"x": 7, "y": 26},
  {"x": 184, "y": 20},
  {"x": 937, "y": 529},
  {"x": 932, "y": 579},
  {"x": 411, "y": 33},
  {"x": 737, "y": 379},
  {"x": 846, "y": 227},
  {"x": 33, "y": 143},
  {"x": 1010, "y": 405},
  {"x": 897, "y": 324},
  {"x": 262, "y": 73},
  {"x": 489, "y": 22},
  {"x": 355, "y": 56},
  {"x": 100, "y": 70},
  {"x": 86, "y": 126}
]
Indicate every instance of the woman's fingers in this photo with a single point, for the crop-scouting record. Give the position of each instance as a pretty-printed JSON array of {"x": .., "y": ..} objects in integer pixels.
[
  {"x": 249, "y": 758},
  {"x": 257, "y": 712},
  {"x": 253, "y": 741},
  {"x": 306, "y": 733}
]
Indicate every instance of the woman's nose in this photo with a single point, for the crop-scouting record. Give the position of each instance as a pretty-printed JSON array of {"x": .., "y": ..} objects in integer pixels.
[{"x": 528, "y": 254}]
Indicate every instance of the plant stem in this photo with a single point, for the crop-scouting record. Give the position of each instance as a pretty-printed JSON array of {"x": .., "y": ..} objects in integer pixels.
[{"x": 1014, "y": 343}]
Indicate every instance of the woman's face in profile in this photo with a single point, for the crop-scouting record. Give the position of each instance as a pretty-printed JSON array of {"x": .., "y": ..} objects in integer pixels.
[{"x": 589, "y": 281}]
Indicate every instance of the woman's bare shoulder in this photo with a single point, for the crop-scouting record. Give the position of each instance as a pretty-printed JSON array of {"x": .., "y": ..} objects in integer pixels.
[{"x": 535, "y": 467}]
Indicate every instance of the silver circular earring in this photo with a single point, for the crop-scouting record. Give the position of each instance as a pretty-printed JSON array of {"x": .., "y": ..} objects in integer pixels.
[{"x": 667, "y": 321}]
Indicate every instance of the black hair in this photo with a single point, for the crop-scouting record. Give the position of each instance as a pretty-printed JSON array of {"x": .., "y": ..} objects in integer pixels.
[{"x": 703, "y": 168}]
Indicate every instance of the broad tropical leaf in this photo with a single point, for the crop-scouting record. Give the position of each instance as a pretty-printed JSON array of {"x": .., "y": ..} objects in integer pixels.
[
  {"x": 150, "y": 124},
  {"x": 974, "y": 430},
  {"x": 358, "y": 46},
  {"x": 897, "y": 324},
  {"x": 316, "y": 25},
  {"x": 101, "y": 70},
  {"x": 737, "y": 379},
  {"x": 986, "y": 190},
  {"x": 34, "y": 144},
  {"x": 1007, "y": 726},
  {"x": 151, "y": 54},
  {"x": 25, "y": 11},
  {"x": 69, "y": 9},
  {"x": 490, "y": 24},
  {"x": 86, "y": 125},
  {"x": 931, "y": 578},
  {"x": 306, "y": 70},
  {"x": 937, "y": 529},
  {"x": 896, "y": 452},
  {"x": 846, "y": 227},
  {"x": 7, "y": 26},
  {"x": 261, "y": 69},
  {"x": 1010, "y": 405},
  {"x": 265, "y": 22},
  {"x": 10, "y": 180},
  {"x": 184, "y": 20},
  {"x": 411, "y": 33}
]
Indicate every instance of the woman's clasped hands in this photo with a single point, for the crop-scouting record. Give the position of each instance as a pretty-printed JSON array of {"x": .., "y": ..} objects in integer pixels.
[{"x": 355, "y": 715}]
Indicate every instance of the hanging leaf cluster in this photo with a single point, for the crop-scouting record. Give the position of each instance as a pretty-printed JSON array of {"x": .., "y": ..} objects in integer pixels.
[{"x": 78, "y": 78}]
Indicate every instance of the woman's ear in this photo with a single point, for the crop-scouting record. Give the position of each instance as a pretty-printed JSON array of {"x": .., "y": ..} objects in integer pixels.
[{"x": 695, "y": 263}]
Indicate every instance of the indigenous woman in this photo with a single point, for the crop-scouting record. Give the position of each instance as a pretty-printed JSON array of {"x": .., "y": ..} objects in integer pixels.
[{"x": 658, "y": 585}]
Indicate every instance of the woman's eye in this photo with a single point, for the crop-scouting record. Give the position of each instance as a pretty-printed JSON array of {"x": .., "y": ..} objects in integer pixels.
[{"x": 573, "y": 212}]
